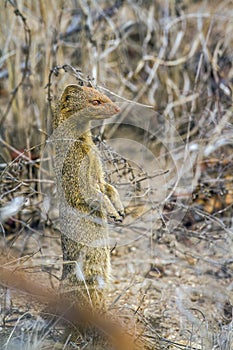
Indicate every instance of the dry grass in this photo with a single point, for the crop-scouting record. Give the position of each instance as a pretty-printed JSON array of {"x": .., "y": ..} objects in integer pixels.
[{"x": 170, "y": 155}]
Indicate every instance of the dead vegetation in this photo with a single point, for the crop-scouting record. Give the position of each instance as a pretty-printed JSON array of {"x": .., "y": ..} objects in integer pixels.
[{"x": 169, "y": 155}]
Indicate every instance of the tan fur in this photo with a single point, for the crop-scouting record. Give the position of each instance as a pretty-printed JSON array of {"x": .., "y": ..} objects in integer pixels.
[{"x": 85, "y": 190}]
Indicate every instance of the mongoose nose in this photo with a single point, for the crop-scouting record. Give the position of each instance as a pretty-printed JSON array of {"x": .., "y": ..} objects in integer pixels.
[{"x": 117, "y": 109}]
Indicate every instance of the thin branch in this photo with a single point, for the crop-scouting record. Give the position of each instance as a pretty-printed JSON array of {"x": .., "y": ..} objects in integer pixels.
[{"x": 26, "y": 69}]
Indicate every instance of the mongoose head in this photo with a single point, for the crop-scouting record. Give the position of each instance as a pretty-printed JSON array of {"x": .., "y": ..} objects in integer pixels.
[{"x": 85, "y": 102}]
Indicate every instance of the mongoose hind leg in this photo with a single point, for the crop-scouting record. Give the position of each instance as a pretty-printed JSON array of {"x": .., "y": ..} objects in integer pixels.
[{"x": 83, "y": 274}]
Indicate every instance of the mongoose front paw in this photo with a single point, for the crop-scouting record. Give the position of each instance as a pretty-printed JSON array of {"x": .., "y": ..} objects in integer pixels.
[
  {"x": 120, "y": 209},
  {"x": 118, "y": 217},
  {"x": 121, "y": 213},
  {"x": 114, "y": 198}
]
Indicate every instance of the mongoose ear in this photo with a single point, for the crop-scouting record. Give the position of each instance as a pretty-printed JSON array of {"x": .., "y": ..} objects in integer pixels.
[{"x": 72, "y": 88}]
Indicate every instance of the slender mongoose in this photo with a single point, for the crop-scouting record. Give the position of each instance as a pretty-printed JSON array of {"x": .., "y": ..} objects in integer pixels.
[{"x": 86, "y": 199}]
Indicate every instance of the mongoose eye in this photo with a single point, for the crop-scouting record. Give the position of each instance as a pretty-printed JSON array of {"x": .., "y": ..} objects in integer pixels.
[{"x": 96, "y": 102}]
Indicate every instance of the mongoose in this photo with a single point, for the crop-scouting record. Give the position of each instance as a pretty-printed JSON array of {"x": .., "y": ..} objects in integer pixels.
[{"x": 86, "y": 199}]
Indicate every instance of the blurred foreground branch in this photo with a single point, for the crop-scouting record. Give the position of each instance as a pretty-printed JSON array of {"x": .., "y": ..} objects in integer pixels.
[{"x": 63, "y": 309}]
